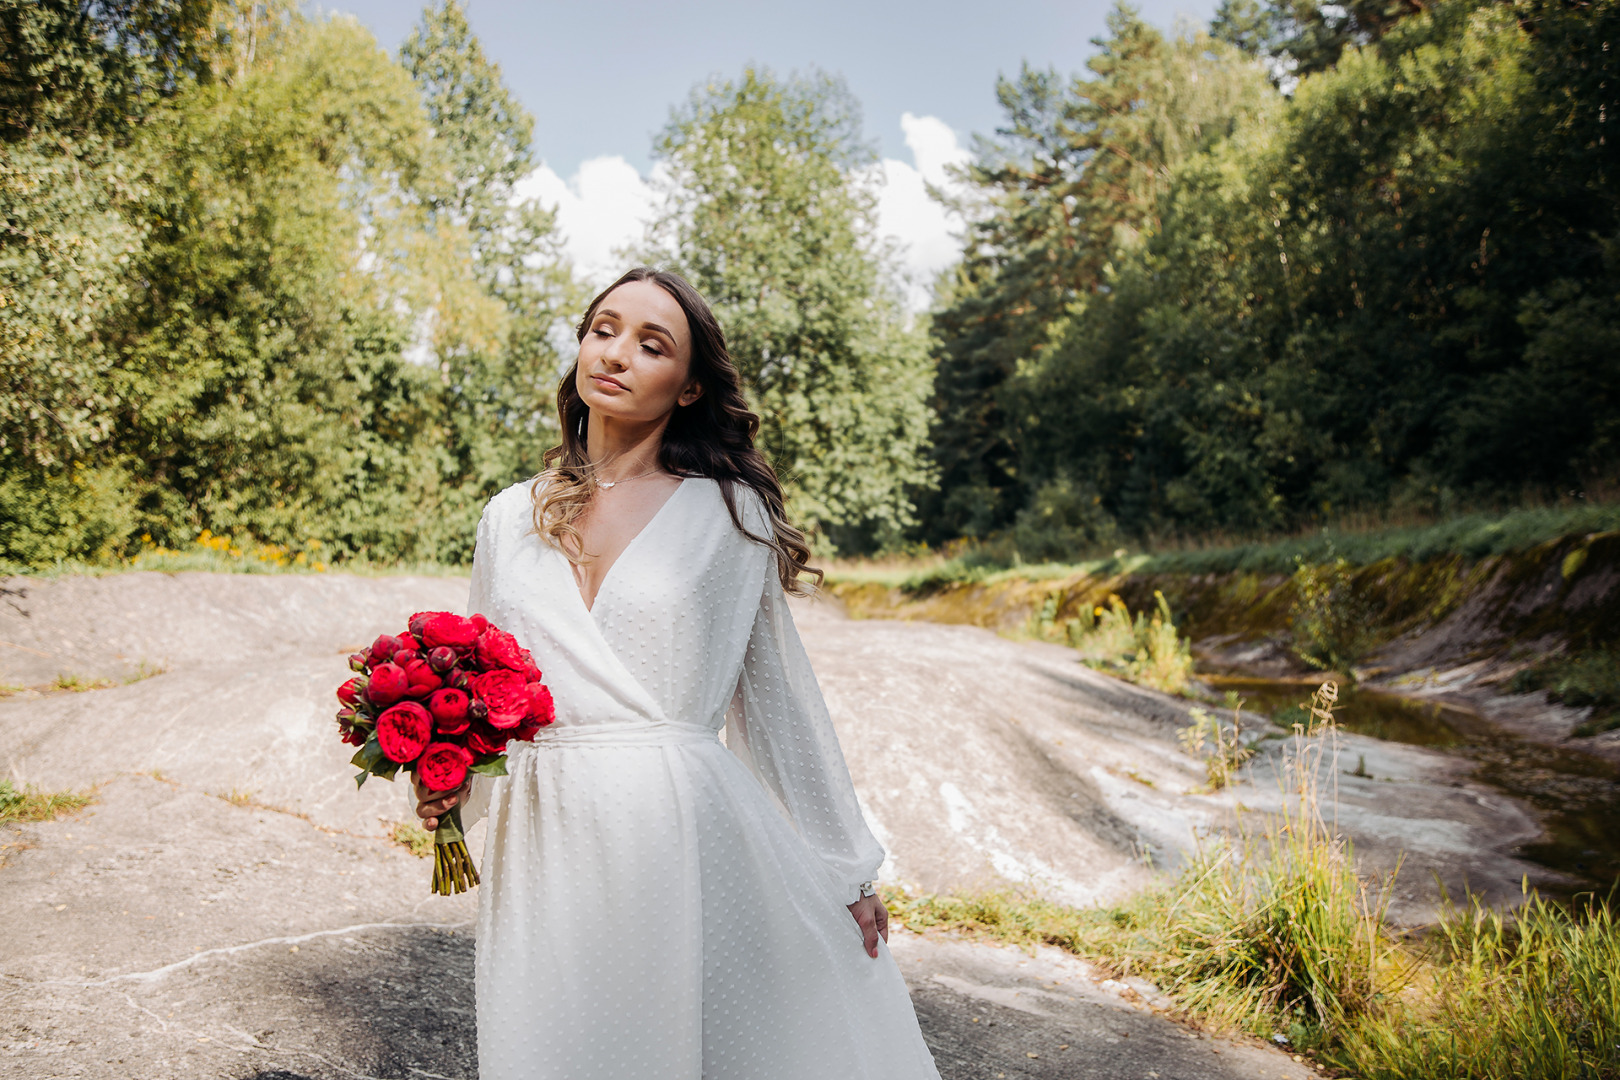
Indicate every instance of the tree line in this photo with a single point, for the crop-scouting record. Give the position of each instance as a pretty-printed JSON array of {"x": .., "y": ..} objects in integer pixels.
[
  {"x": 1317, "y": 259},
  {"x": 259, "y": 277}
]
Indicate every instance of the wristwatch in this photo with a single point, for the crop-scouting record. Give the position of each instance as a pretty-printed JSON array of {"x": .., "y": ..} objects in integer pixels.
[{"x": 866, "y": 889}]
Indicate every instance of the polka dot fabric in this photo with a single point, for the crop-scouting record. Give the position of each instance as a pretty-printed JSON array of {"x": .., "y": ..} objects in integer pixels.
[{"x": 658, "y": 905}]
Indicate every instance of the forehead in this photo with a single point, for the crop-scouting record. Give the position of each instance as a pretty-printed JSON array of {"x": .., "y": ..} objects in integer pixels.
[{"x": 640, "y": 302}]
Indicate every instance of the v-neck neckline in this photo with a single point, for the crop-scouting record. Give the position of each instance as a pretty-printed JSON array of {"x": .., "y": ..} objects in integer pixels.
[{"x": 590, "y": 608}]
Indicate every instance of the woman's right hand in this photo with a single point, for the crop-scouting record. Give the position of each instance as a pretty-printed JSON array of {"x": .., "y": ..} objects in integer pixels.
[{"x": 432, "y": 805}]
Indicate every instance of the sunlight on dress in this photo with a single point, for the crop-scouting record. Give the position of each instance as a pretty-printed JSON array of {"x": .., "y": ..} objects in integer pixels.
[{"x": 657, "y": 904}]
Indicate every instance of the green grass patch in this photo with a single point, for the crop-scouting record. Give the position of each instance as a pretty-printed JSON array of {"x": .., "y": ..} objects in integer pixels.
[
  {"x": 27, "y": 804},
  {"x": 1273, "y": 932},
  {"x": 78, "y": 684},
  {"x": 1470, "y": 536},
  {"x": 225, "y": 555}
]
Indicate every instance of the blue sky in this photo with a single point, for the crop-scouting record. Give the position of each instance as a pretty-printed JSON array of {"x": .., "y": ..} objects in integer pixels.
[{"x": 601, "y": 79}]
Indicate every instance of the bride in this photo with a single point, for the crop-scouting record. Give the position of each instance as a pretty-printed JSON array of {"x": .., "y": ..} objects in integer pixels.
[{"x": 657, "y": 905}]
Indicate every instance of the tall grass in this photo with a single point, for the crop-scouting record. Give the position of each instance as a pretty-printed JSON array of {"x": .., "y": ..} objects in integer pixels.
[
  {"x": 1144, "y": 648},
  {"x": 1274, "y": 932}
]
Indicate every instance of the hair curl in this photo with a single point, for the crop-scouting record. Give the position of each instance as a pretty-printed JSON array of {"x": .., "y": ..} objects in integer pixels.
[{"x": 712, "y": 437}]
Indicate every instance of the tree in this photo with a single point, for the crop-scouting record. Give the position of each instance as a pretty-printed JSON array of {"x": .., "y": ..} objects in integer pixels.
[
  {"x": 1073, "y": 179},
  {"x": 769, "y": 211},
  {"x": 504, "y": 394}
]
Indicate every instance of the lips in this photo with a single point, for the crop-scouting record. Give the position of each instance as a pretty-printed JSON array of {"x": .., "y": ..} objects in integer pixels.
[{"x": 608, "y": 380}]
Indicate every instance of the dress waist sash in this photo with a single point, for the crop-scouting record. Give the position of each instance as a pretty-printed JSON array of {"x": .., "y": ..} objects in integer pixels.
[{"x": 660, "y": 733}]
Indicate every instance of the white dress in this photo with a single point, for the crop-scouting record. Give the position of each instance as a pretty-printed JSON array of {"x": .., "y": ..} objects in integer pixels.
[{"x": 657, "y": 905}]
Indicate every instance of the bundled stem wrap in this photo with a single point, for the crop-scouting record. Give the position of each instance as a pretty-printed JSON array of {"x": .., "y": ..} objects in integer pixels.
[{"x": 453, "y": 869}]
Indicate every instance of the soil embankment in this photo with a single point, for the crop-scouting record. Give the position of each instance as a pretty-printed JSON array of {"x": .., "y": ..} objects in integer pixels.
[
  {"x": 230, "y": 906},
  {"x": 1448, "y": 628}
]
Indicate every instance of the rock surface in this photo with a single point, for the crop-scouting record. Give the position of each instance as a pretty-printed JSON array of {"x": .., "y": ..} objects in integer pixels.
[{"x": 230, "y": 908}]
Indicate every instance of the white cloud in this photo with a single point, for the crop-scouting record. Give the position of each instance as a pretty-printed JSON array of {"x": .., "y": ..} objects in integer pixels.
[
  {"x": 924, "y": 230},
  {"x": 602, "y": 207},
  {"x": 606, "y": 204}
]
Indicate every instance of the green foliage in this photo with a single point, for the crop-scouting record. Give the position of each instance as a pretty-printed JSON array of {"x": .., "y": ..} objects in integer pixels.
[
  {"x": 1533, "y": 995},
  {"x": 259, "y": 283},
  {"x": 1144, "y": 649},
  {"x": 1392, "y": 290},
  {"x": 1330, "y": 622},
  {"x": 769, "y": 211}
]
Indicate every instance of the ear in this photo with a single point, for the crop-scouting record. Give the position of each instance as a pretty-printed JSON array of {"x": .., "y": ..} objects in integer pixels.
[{"x": 693, "y": 391}]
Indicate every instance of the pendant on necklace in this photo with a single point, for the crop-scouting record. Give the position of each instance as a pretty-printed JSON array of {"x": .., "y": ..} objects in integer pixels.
[{"x": 606, "y": 483}]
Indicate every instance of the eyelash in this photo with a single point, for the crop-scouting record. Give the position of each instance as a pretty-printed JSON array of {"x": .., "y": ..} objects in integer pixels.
[{"x": 600, "y": 330}]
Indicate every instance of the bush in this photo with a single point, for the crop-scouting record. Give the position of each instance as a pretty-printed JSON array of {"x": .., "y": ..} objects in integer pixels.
[
  {"x": 1331, "y": 623},
  {"x": 1588, "y": 678},
  {"x": 1143, "y": 649}
]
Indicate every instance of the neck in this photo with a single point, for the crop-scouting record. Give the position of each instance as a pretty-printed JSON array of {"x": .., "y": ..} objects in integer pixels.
[{"x": 620, "y": 448}]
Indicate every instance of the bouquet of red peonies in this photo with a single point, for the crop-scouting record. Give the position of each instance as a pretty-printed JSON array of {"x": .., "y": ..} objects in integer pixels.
[{"x": 441, "y": 700}]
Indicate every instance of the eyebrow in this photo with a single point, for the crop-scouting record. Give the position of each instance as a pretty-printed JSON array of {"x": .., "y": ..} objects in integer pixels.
[{"x": 610, "y": 313}]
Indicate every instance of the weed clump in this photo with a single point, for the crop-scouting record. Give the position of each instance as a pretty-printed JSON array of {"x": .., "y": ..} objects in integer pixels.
[
  {"x": 1330, "y": 621},
  {"x": 29, "y": 805},
  {"x": 1144, "y": 649}
]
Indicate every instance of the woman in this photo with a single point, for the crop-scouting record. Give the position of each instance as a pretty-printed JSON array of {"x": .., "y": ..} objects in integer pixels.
[{"x": 654, "y": 906}]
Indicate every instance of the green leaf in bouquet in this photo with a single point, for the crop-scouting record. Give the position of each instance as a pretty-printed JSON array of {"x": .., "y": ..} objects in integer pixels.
[
  {"x": 386, "y": 769},
  {"x": 489, "y": 765},
  {"x": 368, "y": 755}
]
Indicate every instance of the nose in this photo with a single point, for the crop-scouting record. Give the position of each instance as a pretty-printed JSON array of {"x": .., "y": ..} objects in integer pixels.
[{"x": 613, "y": 354}]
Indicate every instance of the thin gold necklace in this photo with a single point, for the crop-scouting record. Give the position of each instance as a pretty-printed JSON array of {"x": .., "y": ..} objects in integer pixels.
[{"x": 627, "y": 479}]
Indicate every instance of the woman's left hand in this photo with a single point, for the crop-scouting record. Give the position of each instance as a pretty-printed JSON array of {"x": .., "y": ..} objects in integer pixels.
[{"x": 873, "y": 919}]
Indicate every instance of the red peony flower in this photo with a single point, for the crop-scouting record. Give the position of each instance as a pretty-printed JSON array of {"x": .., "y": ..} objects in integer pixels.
[
  {"x": 483, "y": 740},
  {"x": 419, "y": 621},
  {"x": 498, "y": 649},
  {"x": 449, "y": 709},
  {"x": 423, "y": 679},
  {"x": 505, "y": 695},
  {"x": 403, "y": 731},
  {"x": 443, "y": 766},
  {"x": 480, "y": 623},
  {"x": 542, "y": 710},
  {"x": 349, "y": 692},
  {"x": 347, "y": 731},
  {"x": 382, "y": 650},
  {"x": 387, "y": 684},
  {"x": 449, "y": 630},
  {"x": 442, "y": 658},
  {"x": 526, "y": 731}
]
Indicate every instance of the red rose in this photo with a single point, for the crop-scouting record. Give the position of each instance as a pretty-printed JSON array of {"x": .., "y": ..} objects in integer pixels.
[
  {"x": 451, "y": 631},
  {"x": 542, "y": 710},
  {"x": 403, "y": 731},
  {"x": 498, "y": 649},
  {"x": 387, "y": 685},
  {"x": 482, "y": 740},
  {"x": 443, "y": 766},
  {"x": 449, "y": 709},
  {"x": 505, "y": 695},
  {"x": 349, "y": 692},
  {"x": 423, "y": 679}
]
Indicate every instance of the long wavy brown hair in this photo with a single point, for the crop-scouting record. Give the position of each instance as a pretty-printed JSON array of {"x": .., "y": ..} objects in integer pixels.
[{"x": 712, "y": 437}]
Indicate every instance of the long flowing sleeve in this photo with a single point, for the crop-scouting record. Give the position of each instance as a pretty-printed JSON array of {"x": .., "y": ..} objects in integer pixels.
[{"x": 778, "y": 725}]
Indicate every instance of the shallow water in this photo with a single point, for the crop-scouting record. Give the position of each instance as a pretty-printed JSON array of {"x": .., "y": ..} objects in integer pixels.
[{"x": 1577, "y": 793}]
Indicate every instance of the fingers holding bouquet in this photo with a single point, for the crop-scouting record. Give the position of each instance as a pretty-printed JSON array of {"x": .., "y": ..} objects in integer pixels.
[{"x": 441, "y": 701}]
